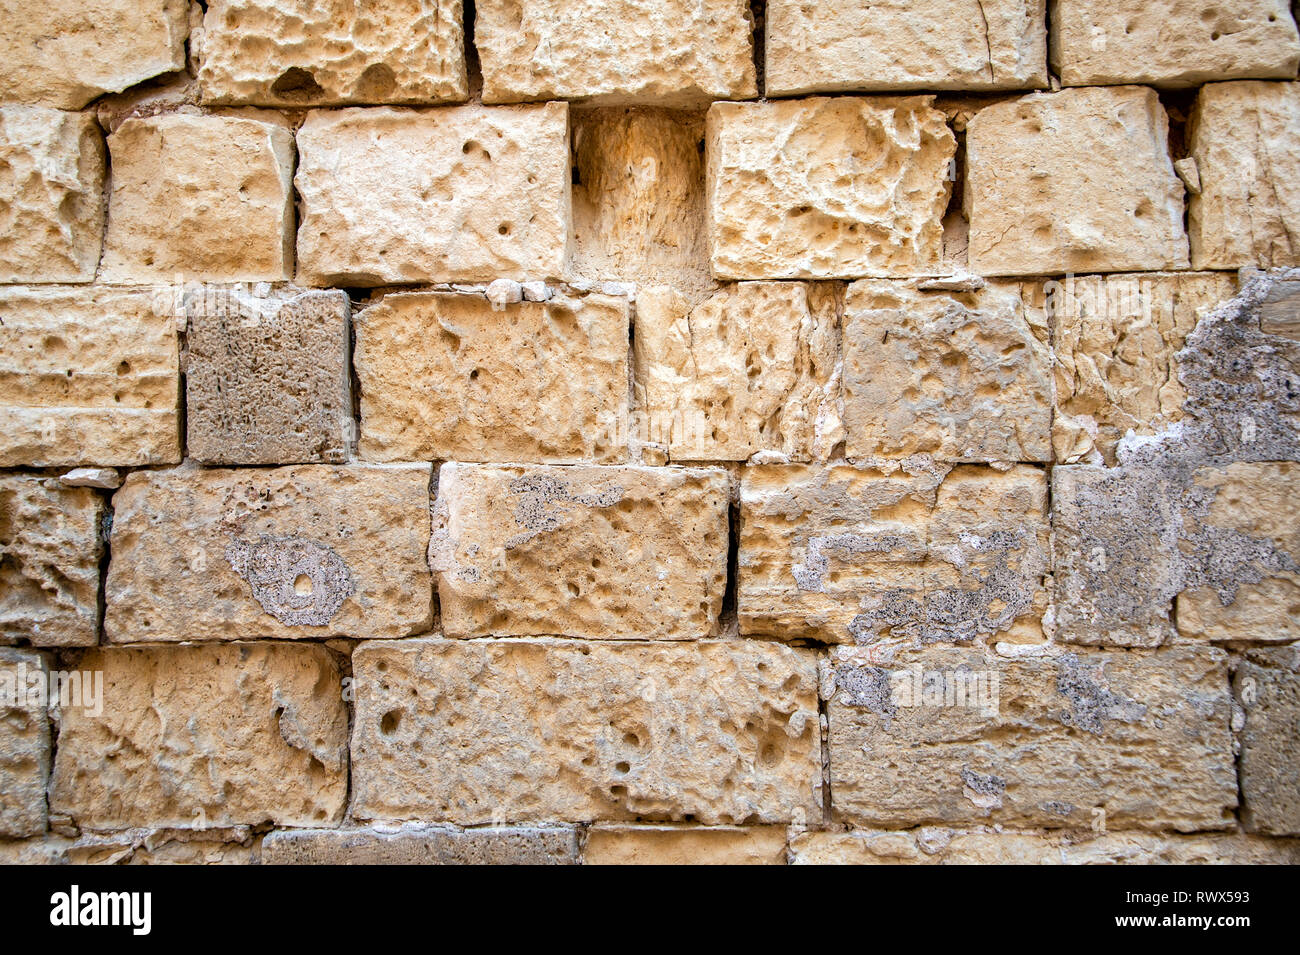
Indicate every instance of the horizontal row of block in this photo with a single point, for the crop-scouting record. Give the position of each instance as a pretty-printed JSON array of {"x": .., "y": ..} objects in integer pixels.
[
  {"x": 308, "y": 52},
  {"x": 1076, "y": 181},
  {"x": 719, "y": 733}
]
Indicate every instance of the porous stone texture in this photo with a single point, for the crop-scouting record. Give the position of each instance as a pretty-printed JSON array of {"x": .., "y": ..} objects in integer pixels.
[
  {"x": 308, "y": 551},
  {"x": 50, "y": 551},
  {"x": 826, "y": 187},
  {"x": 51, "y": 195},
  {"x": 311, "y": 53},
  {"x": 669, "y": 52},
  {"x": 24, "y": 743},
  {"x": 1172, "y": 42},
  {"x": 611, "y": 844},
  {"x": 50, "y": 850},
  {"x": 1267, "y": 686},
  {"x": 267, "y": 379},
  {"x": 199, "y": 736},
  {"x": 1049, "y": 741},
  {"x": 64, "y": 53},
  {"x": 450, "y": 376},
  {"x": 1245, "y": 140},
  {"x": 900, "y": 45},
  {"x": 856, "y": 554},
  {"x": 600, "y": 552},
  {"x": 203, "y": 197},
  {"x": 515, "y": 731},
  {"x": 959, "y": 376},
  {"x": 1038, "y": 204},
  {"x": 423, "y": 845},
  {"x": 235, "y": 845},
  {"x": 753, "y": 368}
]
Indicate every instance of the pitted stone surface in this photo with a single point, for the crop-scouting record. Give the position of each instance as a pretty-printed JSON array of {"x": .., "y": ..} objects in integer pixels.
[
  {"x": 418, "y": 844},
  {"x": 1267, "y": 686},
  {"x": 24, "y": 743}
]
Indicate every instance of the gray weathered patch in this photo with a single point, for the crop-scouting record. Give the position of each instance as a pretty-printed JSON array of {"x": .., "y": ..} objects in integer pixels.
[
  {"x": 543, "y": 503},
  {"x": 1092, "y": 702},
  {"x": 300, "y": 582}
]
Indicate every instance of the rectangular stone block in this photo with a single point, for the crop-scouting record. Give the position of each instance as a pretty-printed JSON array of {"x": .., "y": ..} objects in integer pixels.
[
  {"x": 442, "y": 195},
  {"x": 853, "y": 554},
  {"x": 299, "y": 53},
  {"x": 751, "y": 369},
  {"x": 24, "y": 742},
  {"x": 451, "y": 376},
  {"x": 1172, "y": 42},
  {"x": 612, "y": 844},
  {"x": 203, "y": 197},
  {"x": 1075, "y": 181},
  {"x": 960, "y": 376},
  {"x": 309, "y": 551},
  {"x": 927, "y": 45},
  {"x": 267, "y": 378},
  {"x": 668, "y": 52},
  {"x": 1267, "y": 685},
  {"x": 507, "y": 731},
  {"x": 88, "y": 376},
  {"x": 616, "y": 553},
  {"x": 234, "y": 845},
  {"x": 50, "y": 551},
  {"x": 200, "y": 736},
  {"x": 955, "y": 736},
  {"x": 839, "y": 187},
  {"x": 1245, "y": 141},
  {"x": 418, "y": 844},
  {"x": 51, "y": 196}
]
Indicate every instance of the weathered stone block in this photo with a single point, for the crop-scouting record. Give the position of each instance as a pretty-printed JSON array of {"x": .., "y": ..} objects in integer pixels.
[
  {"x": 669, "y": 52},
  {"x": 447, "y": 376},
  {"x": 1267, "y": 684},
  {"x": 752, "y": 368},
  {"x": 50, "y": 550},
  {"x": 201, "y": 736},
  {"x": 850, "y": 554},
  {"x": 827, "y": 187},
  {"x": 202, "y": 197},
  {"x": 309, "y": 551},
  {"x": 513, "y": 731},
  {"x": 418, "y": 844},
  {"x": 600, "y": 552},
  {"x": 51, "y": 195},
  {"x": 456, "y": 194},
  {"x": 24, "y": 742},
  {"x": 312, "y": 53},
  {"x": 237, "y": 845},
  {"x": 47, "y": 850},
  {"x": 1075, "y": 181},
  {"x": 612, "y": 844},
  {"x": 1245, "y": 139},
  {"x": 267, "y": 379},
  {"x": 957, "y": 736},
  {"x": 930, "y": 45}
]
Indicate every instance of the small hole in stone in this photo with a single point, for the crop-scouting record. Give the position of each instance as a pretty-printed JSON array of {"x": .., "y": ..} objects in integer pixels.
[
  {"x": 503, "y": 228},
  {"x": 624, "y": 768},
  {"x": 302, "y": 585},
  {"x": 389, "y": 722},
  {"x": 123, "y": 367}
]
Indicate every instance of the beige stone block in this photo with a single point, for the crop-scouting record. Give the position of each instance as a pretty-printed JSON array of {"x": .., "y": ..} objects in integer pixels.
[
  {"x": 24, "y": 742},
  {"x": 463, "y": 193},
  {"x": 1075, "y": 181},
  {"x": 508, "y": 731},
  {"x": 237, "y": 845},
  {"x": 206, "y": 197},
  {"x": 450, "y": 376},
  {"x": 828, "y": 187},
  {"x": 310, "y": 551},
  {"x": 1267, "y": 685},
  {"x": 418, "y": 844},
  {"x": 199, "y": 736},
  {"x": 45, "y": 850},
  {"x": 612, "y": 844},
  {"x": 332, "y": 52},
  {"x": 666, "y": 52},
  {"x": 614, "y": 553},
  {"x": 51, "y": 195}
]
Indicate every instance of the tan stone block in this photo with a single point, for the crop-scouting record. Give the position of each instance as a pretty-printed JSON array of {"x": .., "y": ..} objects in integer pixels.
[
  {"x": 1267, "y": 685},
  {"x": 24, "y": 742},
  {"x": 50, "y": 550},
  {"x": 853, "y": 554},
  {"x": 520, "y": 730},
  {"x": 613, "y": 553},
  {"x": 462, "y": 193},
  {"x": 669, "y": 52},
  {"x": 200, "y": 196},
  {"x": 267, "y": 379},
  {"x": 827, "y": 187},
  {"x": 752, "y": 368},
  {"x": 46, "y": 850},
  {"x": 1172, "y": 42},
  {"x": 64, "y": 53},
  {"x": 332, "y": 52},
  {"x": 51, "y": 195},
  {"x": 904, "y": 45},
  {"x": 309, "y": 551},
  {"x": 418, "y": 844},
  {"x": 956, "y": 735},
  {"x": 446, "y": 376},
  {"x": 611, "y": 844},
  {"x": 201, "y": 736},
  {"x": 1245, "y": 139},
  {"x": 229, "y": 846},
  {"x": 1075, "y": 181}
]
